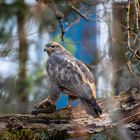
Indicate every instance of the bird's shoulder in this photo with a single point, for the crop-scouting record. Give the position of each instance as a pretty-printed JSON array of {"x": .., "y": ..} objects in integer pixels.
[{"x": 59, "y": 57}]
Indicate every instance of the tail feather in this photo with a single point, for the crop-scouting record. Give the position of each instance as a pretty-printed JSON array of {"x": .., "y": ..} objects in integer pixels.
[{"x": 91, "y": 107}]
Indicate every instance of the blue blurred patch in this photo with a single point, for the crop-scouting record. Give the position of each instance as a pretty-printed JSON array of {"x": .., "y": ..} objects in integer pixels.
[{"x": 62, "y": 101}]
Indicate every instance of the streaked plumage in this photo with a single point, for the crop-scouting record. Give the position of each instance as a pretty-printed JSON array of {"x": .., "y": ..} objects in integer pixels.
[{"x": 73, "y": 76}]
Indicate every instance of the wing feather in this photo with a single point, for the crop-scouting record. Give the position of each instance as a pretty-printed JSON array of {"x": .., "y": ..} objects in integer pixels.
[
  {"x": 85, "y": 70},
  {"x": 89, "y": 79},
  {"x": 73, "y": 74}
]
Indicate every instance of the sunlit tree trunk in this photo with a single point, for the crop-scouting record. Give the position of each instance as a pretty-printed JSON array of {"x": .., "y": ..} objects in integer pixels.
[
  {"x": 125, "y": 42},
  {"x": 22, "y": 57}
]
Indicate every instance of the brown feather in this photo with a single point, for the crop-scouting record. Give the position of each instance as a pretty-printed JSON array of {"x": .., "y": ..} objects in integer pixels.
[{"x": 72, "y": 97}]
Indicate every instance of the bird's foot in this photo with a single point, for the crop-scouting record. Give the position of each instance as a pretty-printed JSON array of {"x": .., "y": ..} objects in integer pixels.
[
  {"x": 43, "y": 104},
  {"x": 49, "y": 109},
  {"x": 67, "y": 107}
]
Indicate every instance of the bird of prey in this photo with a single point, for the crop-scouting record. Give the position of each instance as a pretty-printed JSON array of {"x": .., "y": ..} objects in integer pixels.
[{"x": 71, "y": 76}]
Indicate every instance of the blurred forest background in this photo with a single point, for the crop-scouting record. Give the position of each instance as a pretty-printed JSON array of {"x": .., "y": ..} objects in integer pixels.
[{"x": 104, "y": 34}]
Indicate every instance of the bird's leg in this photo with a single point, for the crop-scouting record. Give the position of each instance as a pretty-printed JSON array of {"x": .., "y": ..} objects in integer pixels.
[
  {"x": 45, "y": 106},
  {"x": 68, "y": 103},
  {"x": 70, "y": 97},
  {"x": 42, "y": 104},
  {"x": 48, "y": 105}
]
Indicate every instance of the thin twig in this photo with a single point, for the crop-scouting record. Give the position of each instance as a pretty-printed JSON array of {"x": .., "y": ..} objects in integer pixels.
[
  {"x": 129, "y": 66},
  {"x": 72, "y": 24},
  {"x": 129, "y": 119},
  {"x": 137, "y": 14},
  {"x": 128, "y": 23},
  {"x": 78, "y": 12},
  {"x": 59, "y": 16},
  {"x": 60, "y": 21},
  {"x": 135, "y": 53}
]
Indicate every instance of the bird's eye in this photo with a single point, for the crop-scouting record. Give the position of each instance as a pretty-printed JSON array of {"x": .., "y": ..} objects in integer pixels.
[{"x": 52, "y": 46}]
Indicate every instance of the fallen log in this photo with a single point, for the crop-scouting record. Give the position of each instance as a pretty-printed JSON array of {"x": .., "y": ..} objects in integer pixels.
[{"x": 118, "y": 112}]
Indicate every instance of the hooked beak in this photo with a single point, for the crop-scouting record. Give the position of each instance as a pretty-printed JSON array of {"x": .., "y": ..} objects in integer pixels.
[{"x": 45, "y": 49}]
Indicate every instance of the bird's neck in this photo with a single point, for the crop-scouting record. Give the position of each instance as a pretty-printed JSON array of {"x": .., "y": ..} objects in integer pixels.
[{"x": 60, "y": 52}]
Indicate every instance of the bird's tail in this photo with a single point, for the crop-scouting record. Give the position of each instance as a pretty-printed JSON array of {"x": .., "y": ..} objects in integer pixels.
[{"x": 91, "y": 107}]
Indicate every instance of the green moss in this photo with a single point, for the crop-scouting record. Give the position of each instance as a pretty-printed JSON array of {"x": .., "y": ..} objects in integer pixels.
[
  {"x": 32, "y": 134},
  {"x": 22, "y": 134}
]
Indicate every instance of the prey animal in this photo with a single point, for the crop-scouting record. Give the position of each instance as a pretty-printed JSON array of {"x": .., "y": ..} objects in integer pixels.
[{"x": 71, "y": 76}]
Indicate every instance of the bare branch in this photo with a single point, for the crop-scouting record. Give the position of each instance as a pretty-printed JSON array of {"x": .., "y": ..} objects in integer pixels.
[
  {"x": 129, "y": 66},
  {"x": 78, "y": 12},
  {"x": 128, "y": 23},
  {"x": 58, "y": 14},
  {"x": 136, "y": 5}
]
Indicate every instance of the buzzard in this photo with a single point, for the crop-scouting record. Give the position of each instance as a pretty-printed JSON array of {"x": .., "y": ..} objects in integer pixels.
[{"x": 71, "y": 76}]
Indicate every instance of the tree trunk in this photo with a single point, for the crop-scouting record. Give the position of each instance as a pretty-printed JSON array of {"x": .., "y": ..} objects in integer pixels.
[{"x": 22, "y": 57}]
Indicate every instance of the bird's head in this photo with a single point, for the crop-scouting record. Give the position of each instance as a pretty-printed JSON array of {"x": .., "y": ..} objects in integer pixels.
[{"x": 52, "y": 47}]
